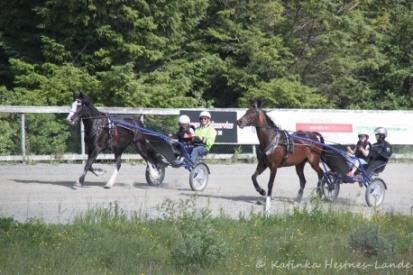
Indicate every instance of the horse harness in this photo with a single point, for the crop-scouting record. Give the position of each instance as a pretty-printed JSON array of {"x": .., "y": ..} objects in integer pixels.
[
  {"x": 101, "y": 123},
  {"x": 281, "y": 138}
]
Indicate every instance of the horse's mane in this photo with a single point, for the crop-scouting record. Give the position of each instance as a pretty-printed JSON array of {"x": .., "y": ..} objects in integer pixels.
[
  {"x": 91, "y": 108},
  {"x": 270, "y": 122}
]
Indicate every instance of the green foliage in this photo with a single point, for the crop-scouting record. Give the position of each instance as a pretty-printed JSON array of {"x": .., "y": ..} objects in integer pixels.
[
  {"x": 158, "y": 89},
  {"x": 367, "y": 240},
  {"x": 203, "y": 53},
  {"x": 46, "y": 134},
  {"x": 188, "y": 53},
  {"x": 284, "y": 93},
  {"x": 54, "y": 52},
  {"x": 8, "y": 135},
  {"x": 198, "y": 244},
  {"x": 48, "y": 84}
]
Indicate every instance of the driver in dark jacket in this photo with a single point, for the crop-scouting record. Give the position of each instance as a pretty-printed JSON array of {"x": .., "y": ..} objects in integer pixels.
[{"x": 380, "y": 151}]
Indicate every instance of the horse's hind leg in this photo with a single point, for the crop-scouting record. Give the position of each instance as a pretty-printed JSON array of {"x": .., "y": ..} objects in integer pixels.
[
  {"x": 147, "y": 153},
  {"x": 97, "y": 171},
  {"x": 91, "y": 158},
  {"x": 299, "y": 168},
  {"x": 260, "y": 168},
  {"x": 271, "y": 181},
  {"x": 118, "y": 160},
  {"x": 315, "y": 164}
]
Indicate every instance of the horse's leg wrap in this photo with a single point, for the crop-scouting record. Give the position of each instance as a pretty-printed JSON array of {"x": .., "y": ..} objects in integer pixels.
[
  {"x": 112, "y": 179},
  {"x": 115, "y": 173},
  {"x": 267, "y": 205}
]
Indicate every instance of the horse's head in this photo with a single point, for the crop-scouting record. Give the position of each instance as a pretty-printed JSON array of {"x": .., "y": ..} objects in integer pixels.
[
  {"x": 77, "y": 111},
  {"x": 252, "y": 117}
]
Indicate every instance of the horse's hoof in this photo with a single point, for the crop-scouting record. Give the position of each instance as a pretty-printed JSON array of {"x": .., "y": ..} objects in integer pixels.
[
  {"x": 260, "y": 201},
  {"x": 107, "y": 186},
  {"x": 77, "y": 185}
]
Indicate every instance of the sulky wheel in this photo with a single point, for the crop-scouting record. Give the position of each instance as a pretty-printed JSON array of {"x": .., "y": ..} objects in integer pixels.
[
  {"x": 330, "y": 186},
  {"x": 198, "y": 178},
  {"x": 375, "y": 192},
  {"x": 155, "y": 176}
]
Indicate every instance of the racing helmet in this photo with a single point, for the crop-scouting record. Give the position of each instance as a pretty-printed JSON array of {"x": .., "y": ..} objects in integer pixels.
[
  {"x": 363, "y": 134},
  {"x": 205, "y": 114},
  {"x": 381, "y": 131},
  {"x": 184, "y": 119}
]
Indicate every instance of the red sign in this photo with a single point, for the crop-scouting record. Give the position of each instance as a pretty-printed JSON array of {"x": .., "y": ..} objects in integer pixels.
[{"x": 325, "y": 127}]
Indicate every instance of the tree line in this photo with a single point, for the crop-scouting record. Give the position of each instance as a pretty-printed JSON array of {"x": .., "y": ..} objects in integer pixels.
[{"x": 221, "y": 53}]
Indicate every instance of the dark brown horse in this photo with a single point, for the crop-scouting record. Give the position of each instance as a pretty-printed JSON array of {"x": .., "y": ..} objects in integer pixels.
[
  {"x": 280, "y": 149},
  {"x": 100, "y": 134}
]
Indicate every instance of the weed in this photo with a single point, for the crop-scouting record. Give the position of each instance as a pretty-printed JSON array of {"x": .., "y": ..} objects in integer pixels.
[{"x": 367, "y": 240}]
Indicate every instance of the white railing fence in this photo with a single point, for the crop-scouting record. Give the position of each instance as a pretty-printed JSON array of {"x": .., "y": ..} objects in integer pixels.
[
  {"x": 401, "y": 128},
  {"x": 23, "y": 110}
]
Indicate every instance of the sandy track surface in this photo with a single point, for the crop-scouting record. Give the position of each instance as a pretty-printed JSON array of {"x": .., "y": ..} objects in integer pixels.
[{"x": 43, "y": 191}]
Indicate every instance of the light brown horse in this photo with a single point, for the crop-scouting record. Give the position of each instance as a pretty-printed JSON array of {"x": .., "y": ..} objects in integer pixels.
[{"x": 277, "y": 149}]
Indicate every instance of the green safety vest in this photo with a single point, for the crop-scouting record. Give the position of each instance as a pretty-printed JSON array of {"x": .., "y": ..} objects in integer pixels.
[{"x": 208, "y": 134}]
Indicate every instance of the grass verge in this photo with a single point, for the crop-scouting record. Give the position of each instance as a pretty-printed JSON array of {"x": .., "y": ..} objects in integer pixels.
[{"x": 190, "y": 240}]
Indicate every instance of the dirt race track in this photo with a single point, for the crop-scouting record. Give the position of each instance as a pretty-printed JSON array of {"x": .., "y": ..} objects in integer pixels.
[{"x": 44, "y": 191}]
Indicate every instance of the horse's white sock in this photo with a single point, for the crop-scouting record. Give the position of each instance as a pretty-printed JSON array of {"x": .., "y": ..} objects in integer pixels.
[
  {"x": 112, "y": 179},
  {"x": 267, "y": 205}
]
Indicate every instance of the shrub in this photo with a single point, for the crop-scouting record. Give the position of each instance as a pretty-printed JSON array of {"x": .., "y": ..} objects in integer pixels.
[
  {"x": 367, "y": 240},
  {"x": 198, "y": 244},
  {"x": 8, "y": 137},
  {"x": 46, "y": 134}
]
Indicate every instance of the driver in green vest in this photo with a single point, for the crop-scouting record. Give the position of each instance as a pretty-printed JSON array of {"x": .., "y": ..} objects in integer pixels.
[{"x": 204, "y": 136}]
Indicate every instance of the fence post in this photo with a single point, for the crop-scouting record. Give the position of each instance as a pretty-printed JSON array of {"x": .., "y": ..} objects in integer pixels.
[{"x": 23, "y": 136}]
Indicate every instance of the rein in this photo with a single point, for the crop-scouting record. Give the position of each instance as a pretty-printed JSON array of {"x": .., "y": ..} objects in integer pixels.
[{"x": 105, "y": 115}]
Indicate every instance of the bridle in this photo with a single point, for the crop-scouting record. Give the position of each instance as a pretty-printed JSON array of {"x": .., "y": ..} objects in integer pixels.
[
  {"x": 80, "y": 104},
  {"x": 249, "y": 123}
]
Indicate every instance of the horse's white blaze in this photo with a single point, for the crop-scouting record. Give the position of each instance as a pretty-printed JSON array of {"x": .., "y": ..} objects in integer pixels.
[
  {"x": 112, "y": 179},
  {"x": 73, "y": 110}
]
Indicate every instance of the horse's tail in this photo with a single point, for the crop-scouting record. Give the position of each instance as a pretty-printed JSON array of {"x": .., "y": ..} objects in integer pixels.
[
  {"x": 334, "y": 161},
  {"x": 320, "y": 137}
]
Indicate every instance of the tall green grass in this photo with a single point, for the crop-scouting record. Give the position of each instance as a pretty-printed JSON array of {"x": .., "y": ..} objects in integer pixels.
[{"x": 190, "y": 240}]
